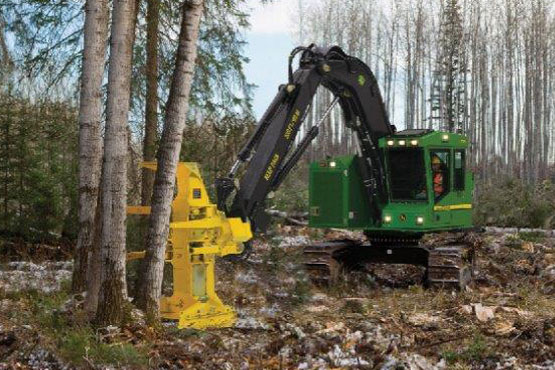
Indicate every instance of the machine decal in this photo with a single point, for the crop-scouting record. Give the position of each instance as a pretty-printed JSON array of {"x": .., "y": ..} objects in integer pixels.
[
  {"x": 292, "y": 123},
  {"x": 271, "y": 167},
  {"x": 361, "y": 80},
  {"x": 453, "y": 207}
]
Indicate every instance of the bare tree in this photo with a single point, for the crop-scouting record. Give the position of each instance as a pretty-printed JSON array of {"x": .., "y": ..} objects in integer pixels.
[
  {"x": 487, "y": 66},
  {"x": 151, "y": 109},
  {"x": 90, "y": 144},
  {"x": 168, "y": 156},
  {"x": 113, "y": 289}
]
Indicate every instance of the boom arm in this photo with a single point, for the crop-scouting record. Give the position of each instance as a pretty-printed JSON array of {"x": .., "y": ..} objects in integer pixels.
[{"x": 266, "y": 153}]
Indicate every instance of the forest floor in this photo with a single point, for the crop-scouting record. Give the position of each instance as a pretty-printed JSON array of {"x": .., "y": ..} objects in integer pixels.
[{"x": 376, "y": 318}]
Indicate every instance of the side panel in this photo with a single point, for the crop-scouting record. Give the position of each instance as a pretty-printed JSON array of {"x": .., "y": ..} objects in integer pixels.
[
  {"x": 359, "y": 213},
  {"x": 326, "y": 198},
  {"x": 337, "y": 197}
]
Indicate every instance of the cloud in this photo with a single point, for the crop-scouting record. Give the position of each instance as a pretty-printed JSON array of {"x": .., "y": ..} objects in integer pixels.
[{"x": 273, "y": 17}]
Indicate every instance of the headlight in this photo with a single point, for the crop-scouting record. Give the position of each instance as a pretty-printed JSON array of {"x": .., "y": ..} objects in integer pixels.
[
  {"x": 445, "y": 137},
  {"x": 414, "y": 142},
  {"x": 387, "y": 218},
  {"x": 390, "y": 142},
  {"x": 401, "y": 142},
  {"x": 332, "y": 164},
  {"x": 419, "y": 220}
]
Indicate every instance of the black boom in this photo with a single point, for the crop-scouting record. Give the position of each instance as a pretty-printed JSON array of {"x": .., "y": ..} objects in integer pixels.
[{"x": 354, "y": 87}]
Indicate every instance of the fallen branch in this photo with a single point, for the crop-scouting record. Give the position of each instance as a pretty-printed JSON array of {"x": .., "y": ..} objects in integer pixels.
[
  {"x": 298, "y": 219},
  {"x": 515, "y": 230},
  {"x": 454, "y": 339}
]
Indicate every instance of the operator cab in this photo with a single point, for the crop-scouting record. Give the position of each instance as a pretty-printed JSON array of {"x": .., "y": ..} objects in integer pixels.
[
  {"x": 428, "y": 187},
  {"x": 424, "y": 164}
]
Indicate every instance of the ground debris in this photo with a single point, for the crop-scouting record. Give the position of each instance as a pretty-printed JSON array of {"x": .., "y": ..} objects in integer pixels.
[
  {"x": 381, "y": 318},
  {"x": 46, "y": 277},
  {"x": 484, "y": 313}
]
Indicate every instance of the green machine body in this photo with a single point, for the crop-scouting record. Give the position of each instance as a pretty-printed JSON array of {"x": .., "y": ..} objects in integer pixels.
[{"x": 420, "y": 196}]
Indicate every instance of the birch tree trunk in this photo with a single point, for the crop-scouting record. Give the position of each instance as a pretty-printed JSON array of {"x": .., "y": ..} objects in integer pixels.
[
  {"x": 90, "y": 145},
  {"x": 114, "y": 171},
  {"x": 94, "y": 261},
  {"x": 151, "y": 109},
  {"x": 168, "y": 156}
]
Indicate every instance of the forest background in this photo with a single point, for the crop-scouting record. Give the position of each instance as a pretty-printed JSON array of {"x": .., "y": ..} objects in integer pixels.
[{"x": 508, "y": 50}]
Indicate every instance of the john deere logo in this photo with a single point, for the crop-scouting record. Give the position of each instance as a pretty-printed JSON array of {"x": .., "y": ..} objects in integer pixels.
[
  {"x": 315, "y": 211},
  {"x": 402, "y": 217},
  {"x": 361, "y": 80}
]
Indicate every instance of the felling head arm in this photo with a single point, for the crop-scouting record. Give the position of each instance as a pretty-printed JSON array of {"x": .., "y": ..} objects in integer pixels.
[{"x": 268, "y": 154}]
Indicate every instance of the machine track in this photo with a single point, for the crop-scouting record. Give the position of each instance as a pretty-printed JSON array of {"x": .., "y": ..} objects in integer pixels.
[
  {"x": 324, "y": 261},
  {"x": 449, "y": 263},
  {"x": 450, "y": 266}
]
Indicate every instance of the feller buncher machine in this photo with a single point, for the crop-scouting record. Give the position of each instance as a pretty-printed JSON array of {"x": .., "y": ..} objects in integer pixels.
[{"x": 397, "y": 187}]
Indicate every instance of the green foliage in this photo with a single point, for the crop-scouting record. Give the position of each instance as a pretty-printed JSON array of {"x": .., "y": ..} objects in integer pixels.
[
  {"x": 49, "y": 48},
  {"x": 38, "y": 171},
  {"x": 292, "y": 195},
  {"x": 76, "y": 345},
  {"x": 450, "y": 356},
  {"x": 49, "y": 41},
  {"x": 185, "y": 333},
  {"x": 72, "y": 336},
  {"x": 513, "y": 241},
  {"x": 354, "y": 306},
  {"x": 137, "y": 227},
  {"x": 532, "y": 236},
  {"x": 512, "y": 202},
  {"x": 475, "y": 351},
  {"x": 219, "y": 84},
  {"x": 301, "y": 291},
  {"x": 214, "y": 145},
  {"x": 516, "y": 241}
]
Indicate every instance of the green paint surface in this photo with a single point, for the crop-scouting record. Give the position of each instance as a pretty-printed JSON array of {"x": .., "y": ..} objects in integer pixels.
[{"x": 337, "y": 197}]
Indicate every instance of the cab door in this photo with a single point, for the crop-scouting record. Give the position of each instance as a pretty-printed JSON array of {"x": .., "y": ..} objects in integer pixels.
[
  {"x": 441, "y": 184},
  {"x": 461, "y": 214}
]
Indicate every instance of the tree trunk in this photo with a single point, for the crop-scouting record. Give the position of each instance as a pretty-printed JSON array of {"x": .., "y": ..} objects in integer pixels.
[
  {"x": 90, "y": 144},
  {"x": 168, "y": 156},
  {"x": 151, "y": 109},
  {"x": 94, "y": 265},
  {"x": 114, "y": 171}
]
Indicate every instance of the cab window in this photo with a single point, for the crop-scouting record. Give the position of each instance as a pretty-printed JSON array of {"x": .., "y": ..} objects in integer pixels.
[
  {"x": 458, "y": 180},
  {"x": 439, "y": 160},
  {"x": 407, "y": 180}
]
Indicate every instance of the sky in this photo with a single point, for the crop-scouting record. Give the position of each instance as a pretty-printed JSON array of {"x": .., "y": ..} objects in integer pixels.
[{"x": 270, "y": 40}]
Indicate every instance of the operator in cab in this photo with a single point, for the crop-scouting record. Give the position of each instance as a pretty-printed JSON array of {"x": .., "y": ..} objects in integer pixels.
[{"x": 437, "y": 175}]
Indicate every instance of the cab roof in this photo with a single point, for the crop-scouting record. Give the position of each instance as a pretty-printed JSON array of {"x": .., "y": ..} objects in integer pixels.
[{"x": 424, "y": 138}]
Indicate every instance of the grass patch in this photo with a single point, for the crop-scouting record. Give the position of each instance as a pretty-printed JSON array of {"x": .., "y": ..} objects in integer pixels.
[
  {"x": 80, "y": 346},
  {"x": 513, "y": 241},
  {"x": 535, "y": 301},
  {"x": 301, "y": 291},
  {"x": 185, "y": 333},
  {"x": 475, "y": 351},
  {"x": 354, "y": 306},
  {"x": 532, "y": 236},
  {"x": 70, "y": 334}
]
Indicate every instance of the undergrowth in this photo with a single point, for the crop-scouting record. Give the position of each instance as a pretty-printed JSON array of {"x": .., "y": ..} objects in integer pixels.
[
  {"x": 70, "y": 335},
  {"x": 513, "y": 203},
  {"x": 475, "y": 350}
]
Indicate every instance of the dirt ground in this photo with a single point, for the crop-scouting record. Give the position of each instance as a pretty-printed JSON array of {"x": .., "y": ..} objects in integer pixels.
[{"x": 377, "y": 318}]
